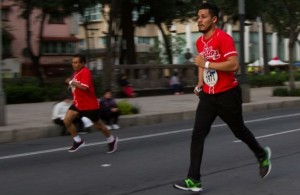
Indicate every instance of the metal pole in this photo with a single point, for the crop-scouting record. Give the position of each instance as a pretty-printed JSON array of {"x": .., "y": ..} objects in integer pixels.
[
  {"x": 243, "y": 78},
  {"x": 2, "y": 94}
]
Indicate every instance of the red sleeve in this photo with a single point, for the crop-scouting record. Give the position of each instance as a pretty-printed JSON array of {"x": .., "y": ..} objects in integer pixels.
[
  {"x": 227, "y": 46},
  {"x": 86, "y": 77}
]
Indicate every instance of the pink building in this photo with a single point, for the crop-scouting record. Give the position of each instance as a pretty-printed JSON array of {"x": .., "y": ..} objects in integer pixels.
[{"x": 59, "y": 42}]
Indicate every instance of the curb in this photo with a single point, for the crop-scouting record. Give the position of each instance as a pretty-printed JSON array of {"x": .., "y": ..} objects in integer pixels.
[{"x": 50, "y": 130}]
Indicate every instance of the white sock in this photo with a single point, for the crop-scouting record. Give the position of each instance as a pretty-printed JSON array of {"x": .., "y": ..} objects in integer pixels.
[
  {"x": 110, "y": 139},
  {"x": 77, "y": 139}
]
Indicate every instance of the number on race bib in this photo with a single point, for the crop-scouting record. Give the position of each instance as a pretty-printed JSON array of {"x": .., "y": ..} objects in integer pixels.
[{"x": 210, "y": 77}]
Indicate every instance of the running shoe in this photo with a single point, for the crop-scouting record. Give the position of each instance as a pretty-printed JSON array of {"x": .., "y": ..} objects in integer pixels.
[
  {"x": 76, "y": 146},
  {"x": 189, "y": 185},
  {"x": 112, "y": 146},
  {"x": 265, "y": 164}
]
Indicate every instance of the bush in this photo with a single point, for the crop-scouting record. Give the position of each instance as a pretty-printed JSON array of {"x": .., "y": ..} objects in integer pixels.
[
  {"x": 24, "y": 94},
  {"x": 127, "y": 108},
  {"x": 286, "y": 92},
  {"x": 27, "y": 90},
  {"x": 280, "y": 92},
  {"x": 267, "y": 80},
  {"x": 21, "y": 81}
]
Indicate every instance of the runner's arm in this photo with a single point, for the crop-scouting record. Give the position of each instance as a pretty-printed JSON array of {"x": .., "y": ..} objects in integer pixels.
[
  {"x": 78, "y": 85},
  {"x": 231, "y": 64}
]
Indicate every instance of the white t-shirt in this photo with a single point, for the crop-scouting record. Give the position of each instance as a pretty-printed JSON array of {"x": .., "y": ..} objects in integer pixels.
[{"x": 60, "y": 109}]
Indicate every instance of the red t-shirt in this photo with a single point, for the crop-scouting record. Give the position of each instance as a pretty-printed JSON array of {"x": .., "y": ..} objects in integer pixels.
[
  {"x": 84, "y": 99},
  {"x": 217, "y": 48}
]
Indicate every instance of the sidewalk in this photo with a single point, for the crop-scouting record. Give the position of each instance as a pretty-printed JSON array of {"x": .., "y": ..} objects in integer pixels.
[{"x": 32, "y": 121}]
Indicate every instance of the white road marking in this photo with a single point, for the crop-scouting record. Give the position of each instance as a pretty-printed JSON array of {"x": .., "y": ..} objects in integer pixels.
[
  {"x": 138, "y": 137},
  {"x": 273, "y": 134},
  {"x": 105, "y": 165}
]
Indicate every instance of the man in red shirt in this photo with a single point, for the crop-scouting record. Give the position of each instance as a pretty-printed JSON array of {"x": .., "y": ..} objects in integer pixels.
[
  {"x": 85, "y": 104},
  {"x": 220, "y": 95}
]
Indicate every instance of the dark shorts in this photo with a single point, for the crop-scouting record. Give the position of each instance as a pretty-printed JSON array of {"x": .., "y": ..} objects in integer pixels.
[{"x": 93, "y": 115}]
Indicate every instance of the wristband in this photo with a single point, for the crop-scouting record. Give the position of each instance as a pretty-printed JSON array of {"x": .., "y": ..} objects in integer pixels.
[{"x": 206, "y": 65}]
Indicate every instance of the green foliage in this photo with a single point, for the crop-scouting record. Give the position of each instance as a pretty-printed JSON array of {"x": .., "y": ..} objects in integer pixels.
[
  {"x": 286, "y": 92},
  {"x": 156, "y": 11},
  {"x": 27, "y": 90},
  {"x": 289, "y": 16},
  {"x": 178, "y": 45},
  {"x": 126, "y": 108},
  {"x": 55, "y": 92},
  {"x": 21, "y": 81},
  {"x": 24, "y": 94},
  {"x": 267, "y": 80}
]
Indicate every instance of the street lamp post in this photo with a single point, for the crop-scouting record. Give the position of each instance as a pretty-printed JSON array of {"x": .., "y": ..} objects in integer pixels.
[
  {"x": 2, "y": 94},
  {"x": 243, "y": 79}
]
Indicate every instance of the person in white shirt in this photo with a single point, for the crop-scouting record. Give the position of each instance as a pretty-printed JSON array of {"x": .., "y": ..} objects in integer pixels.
[{"x": 58, "y": 114}]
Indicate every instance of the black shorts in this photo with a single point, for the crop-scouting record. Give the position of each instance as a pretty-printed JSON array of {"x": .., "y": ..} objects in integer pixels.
[{"x": 93, "y": 115}]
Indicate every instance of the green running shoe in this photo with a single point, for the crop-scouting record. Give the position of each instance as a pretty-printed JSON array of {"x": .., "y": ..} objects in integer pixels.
[
  {"x": 265, "y": 164},
  {"x": 189, "y": 185}
]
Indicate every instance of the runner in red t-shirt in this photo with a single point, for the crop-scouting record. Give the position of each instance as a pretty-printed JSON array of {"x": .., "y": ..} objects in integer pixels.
[
  {"x": 219, "y": 47},
  {"x": 85, "y": 104},
  {"x": 221, "y": 96}
]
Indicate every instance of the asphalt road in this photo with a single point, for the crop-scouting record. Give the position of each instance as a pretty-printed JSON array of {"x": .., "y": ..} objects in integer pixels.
[{"x": 151, "y": 158}]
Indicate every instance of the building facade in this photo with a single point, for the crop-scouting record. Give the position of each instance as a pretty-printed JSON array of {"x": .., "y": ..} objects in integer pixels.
[
  {"x": 146, "y": 37},
  {"x": 58, "y": 39},
  {"x": 63, "y": 37}
]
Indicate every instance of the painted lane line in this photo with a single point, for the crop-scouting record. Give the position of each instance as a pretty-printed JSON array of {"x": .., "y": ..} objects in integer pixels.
[
  {"x": 105, "y": 165},
  {"x": 273, "y": 134},
  {"x": 91, "y": 144},
  {"x": 136, "y": 137}
]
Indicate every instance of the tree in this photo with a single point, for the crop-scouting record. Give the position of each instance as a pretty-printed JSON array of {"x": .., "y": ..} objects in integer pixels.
[
  {"x": 164, "y": 12},
  {"x": 6, "y": 42},
  {"x": 253, "y": 9},
  {"x": 287, "y": 23},
  {"x": 127, "y": 45},
  {"x": 108, "y": 65},
  {"x": 148, "y": 11},
  {"x": 43, "y": 9}
]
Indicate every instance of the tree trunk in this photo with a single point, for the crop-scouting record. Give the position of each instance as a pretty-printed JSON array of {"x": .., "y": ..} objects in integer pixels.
[
  {"x": 88, "y": 47},
  {"x": 122, "y": 51},
  {"x": 167, "y": 44},
  {"x": 34, "y": 58},
  {"x": 291, "y": 57},
  {"x": 265, "y": 52},
  {"x": 128, "y": 33},
  {"x": 108, "y": 62}
]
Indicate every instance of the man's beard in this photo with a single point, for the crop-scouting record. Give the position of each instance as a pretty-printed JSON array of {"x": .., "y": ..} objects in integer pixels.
[{"x": 206, "y": 30}]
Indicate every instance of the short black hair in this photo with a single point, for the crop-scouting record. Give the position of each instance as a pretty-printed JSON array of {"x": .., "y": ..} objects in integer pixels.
[
  {"x": 81, "y": 57},
  {"x": 107, "y": 91},
  {"x": 213, "y": 9}
]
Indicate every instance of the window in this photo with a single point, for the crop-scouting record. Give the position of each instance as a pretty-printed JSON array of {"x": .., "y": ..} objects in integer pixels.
[
  {"x": 145, "y": 40},
  {"x": 103, "y": 41},
  {"x": 92, "y": 14},
  {"x": 58, "y": 47}
]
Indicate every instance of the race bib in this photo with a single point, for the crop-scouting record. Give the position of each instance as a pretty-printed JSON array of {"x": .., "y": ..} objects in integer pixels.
[{"x": 210, "y": 77}]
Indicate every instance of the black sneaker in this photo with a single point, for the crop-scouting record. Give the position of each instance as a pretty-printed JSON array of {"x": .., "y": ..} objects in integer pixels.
[
  {"x": 76, "y": 146},
  {"x": 265, "y": 164},
  {"x": 189, "y": 185},
  {"x": 112, "y": 146}
]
